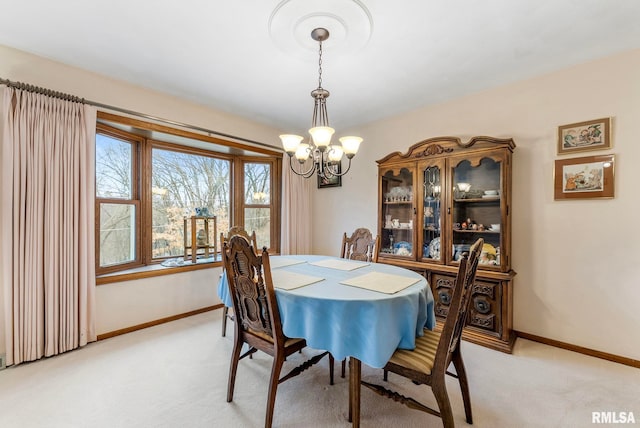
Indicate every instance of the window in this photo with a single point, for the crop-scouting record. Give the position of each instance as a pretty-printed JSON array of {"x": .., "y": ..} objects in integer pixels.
[
  {"x": 117, "y": 201},
  {"x": 180, "y": 182},
  {"x": 257, "y": 201},
  {"x": 145, "y": 187}
]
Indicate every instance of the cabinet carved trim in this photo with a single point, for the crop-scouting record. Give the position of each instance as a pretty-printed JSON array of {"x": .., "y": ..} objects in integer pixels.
[
  {"x": 486, "y": 289},
  {"x": 442, "y": 294},
  {"x": 483, "y": 321},
  {"x": 432, "y": 150},
  {"x": 443, "y": 282}
]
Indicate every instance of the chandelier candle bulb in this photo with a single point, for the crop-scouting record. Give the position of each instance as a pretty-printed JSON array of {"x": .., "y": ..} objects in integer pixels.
[
  {"x": 335, "y": 153},
  {"x": 321, "y": 136},
  {"x": 350, "y": 145},
  {"x": 290, "y": 143},
  {"x": 303, "y": 152}
]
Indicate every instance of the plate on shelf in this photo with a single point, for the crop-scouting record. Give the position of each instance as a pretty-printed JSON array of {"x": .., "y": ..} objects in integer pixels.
[
  {"x": 489, "y": 249},
  {"x": 489, "y": 255},
  {"x": 434, "y": 248},
  {"x": 490, "y": 196},
  {"x": 402, "y": 248}
]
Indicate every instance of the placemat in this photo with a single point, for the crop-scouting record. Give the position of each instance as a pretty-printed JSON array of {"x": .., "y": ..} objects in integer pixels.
[
  {"x": 340, "y": 264},
  {"x": 278, "y": 262},
  {"x": 381, "y": 282},
  {"x": 286, "y": 280}
]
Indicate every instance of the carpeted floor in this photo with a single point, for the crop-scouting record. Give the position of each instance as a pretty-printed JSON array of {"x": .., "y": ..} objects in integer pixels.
[{"x": 175, "y": 375}]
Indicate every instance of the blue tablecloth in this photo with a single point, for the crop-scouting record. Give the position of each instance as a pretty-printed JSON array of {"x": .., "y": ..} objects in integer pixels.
[{"x": 350, "y": 321}]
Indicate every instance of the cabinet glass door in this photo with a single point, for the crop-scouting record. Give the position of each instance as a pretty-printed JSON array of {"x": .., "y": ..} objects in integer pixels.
[
  {"x": 432, "y": 218},
  {"x": 396, "y": 236},
  {"x": 477, "y": 208}
]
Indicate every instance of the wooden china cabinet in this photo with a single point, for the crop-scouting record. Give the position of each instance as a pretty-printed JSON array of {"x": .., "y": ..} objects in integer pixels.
[{"x": 434, "y": 202}]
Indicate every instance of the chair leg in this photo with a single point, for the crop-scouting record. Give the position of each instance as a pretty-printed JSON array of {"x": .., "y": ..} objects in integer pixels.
[
  {"x": 331, "y": 361},
  {"x": 225, "y": 314},
  {"x": 458, "y": 363},
  {"x": 235, "y": 357},
  {"x": 278, "y": 361},
  {"x": 444, "y": 405}
]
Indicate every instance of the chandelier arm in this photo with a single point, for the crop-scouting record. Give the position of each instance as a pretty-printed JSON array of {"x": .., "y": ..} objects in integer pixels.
[
  {"x": 305, "y": 174},
  {"x": 342, "y": 173},
  {"x": 315, "y": 114}
]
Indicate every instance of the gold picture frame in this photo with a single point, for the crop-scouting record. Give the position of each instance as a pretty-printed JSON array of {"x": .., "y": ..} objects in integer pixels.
[
  {"x": 584, "y": 178},
  {"x": 584, "y": 136}
]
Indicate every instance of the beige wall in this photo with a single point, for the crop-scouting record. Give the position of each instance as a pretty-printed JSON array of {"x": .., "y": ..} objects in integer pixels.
[
  {"x": 135, "y": 302},
  {"x": 576, "y": 260}
]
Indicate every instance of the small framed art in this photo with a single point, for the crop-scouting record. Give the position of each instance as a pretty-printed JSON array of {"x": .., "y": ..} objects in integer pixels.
[
  {"x": 584, "y": 136},
  {"x": 584, "y": 178},
  {"x": 333, "y": 181}
]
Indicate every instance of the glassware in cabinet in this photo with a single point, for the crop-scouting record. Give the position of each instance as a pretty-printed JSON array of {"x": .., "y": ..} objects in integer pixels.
[
  {"x": 431, "y": 214},
  {"x": 477, "y": 208},
  {"x": 398, "y": 208}
]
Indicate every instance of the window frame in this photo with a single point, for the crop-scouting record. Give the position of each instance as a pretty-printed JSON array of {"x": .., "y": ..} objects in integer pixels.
[
  {"x": 136, "y": 145},
  {"x": 147, "y": 136},
  {"x": 156, "y": 144},
  {"x": 274, "y": 244}
]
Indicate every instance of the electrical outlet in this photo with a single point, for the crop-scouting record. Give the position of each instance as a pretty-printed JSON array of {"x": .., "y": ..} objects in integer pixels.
[{"x": 3, "y": 361}]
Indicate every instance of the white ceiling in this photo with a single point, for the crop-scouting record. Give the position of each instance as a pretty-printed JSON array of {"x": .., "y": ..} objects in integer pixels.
[{"x": 255, "y": 57}]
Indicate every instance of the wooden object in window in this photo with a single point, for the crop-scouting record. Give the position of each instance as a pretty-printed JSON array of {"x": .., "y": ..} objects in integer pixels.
[
  {"x": 434, "y": 202},
  {"x": 202, "y": 242}
]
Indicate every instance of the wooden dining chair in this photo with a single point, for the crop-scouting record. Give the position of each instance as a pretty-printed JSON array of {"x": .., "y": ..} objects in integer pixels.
[
  {"x": 428, "y": 363},
  {"x": 257, "y": 318},
  {"x": 235, "y": 230},
  {"x": 360, "y": 246}
]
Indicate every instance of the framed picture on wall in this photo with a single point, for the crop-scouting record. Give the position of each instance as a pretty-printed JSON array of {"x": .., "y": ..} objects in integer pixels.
[
  {"x": 584, "y": 178},
  {"x": 584, "y": 136},
  {"x": 333, "y": 181}
]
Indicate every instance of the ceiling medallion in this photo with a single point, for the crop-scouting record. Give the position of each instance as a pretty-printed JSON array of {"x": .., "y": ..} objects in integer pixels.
[{"x": 348, "y": 21}]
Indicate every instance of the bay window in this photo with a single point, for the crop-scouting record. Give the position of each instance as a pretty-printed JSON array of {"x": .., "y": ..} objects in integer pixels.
[{"x": 147, "y": 182}]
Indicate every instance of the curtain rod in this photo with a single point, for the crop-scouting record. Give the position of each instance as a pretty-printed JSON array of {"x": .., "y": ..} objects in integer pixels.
[{"x": 73, "y": 98}]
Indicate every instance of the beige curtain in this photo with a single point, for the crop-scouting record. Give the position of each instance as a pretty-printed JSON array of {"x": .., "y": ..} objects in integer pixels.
[
  {"x": 296, "y": 211},
  {"x": 47, "y": 224}
]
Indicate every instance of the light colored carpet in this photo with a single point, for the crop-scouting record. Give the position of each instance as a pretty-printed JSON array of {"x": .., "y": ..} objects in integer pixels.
[{"x": 175, "y": 375}]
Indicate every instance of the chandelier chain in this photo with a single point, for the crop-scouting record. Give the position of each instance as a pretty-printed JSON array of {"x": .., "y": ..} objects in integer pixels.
[{"x": 320, "y": 66}]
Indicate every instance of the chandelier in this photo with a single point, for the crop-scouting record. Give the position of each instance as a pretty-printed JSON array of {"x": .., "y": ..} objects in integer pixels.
[{"x": 326, "y": 157}]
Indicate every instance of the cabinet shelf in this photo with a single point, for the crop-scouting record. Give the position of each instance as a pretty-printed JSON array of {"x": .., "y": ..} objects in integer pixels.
[
  {"x": 398, "y": 203},
  {"x": 476, "y": 231},
  {"x": 466, "y": 201}
]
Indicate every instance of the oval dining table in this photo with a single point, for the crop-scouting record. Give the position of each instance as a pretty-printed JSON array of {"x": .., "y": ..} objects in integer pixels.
[{"x": 349, "y": 321}]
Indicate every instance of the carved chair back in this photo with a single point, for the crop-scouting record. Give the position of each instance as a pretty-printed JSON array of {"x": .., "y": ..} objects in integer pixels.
[
  {"x": 238, "y": 230},
  {"x": 251, "y": 289},
  {"x": 360, "y": 246}
]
